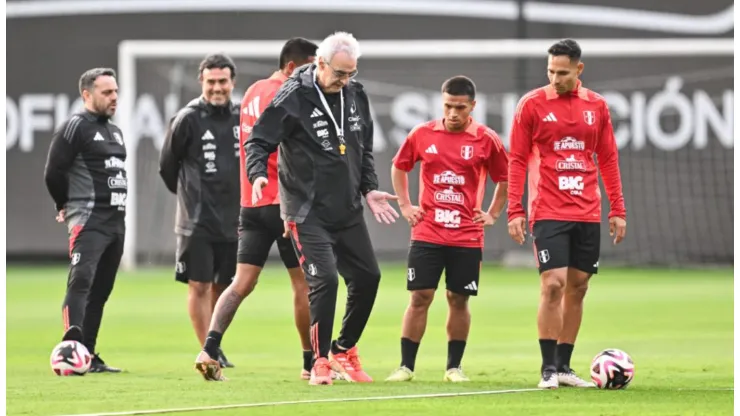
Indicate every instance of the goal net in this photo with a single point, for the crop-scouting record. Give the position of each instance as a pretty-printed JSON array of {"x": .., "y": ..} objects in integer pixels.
[{"x": 673, "y": 120}]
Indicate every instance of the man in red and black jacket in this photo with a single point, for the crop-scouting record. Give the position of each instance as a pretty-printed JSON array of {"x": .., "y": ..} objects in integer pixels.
[{"x": 556, "y": 132}]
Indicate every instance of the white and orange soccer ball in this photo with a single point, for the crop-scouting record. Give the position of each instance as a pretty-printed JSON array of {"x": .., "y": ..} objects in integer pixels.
[
  {"x": 70, "y": 358},
  {"x": 612, "y": 369}
]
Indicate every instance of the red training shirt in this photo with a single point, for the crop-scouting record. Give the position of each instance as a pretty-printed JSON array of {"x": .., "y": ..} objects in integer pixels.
[
  {"x": 556, "y": 137},
  {"x": 452, "y": 179},
  {"x": 256, "y": 99}
]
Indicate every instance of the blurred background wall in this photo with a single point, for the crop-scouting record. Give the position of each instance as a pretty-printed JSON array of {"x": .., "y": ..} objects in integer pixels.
[{"x": 673, "y": 116}]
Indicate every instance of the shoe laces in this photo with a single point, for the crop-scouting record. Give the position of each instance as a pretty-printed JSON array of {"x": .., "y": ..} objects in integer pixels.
[
  {"x": 323, "y": 367},
  {"x": 354, "y": 359}
]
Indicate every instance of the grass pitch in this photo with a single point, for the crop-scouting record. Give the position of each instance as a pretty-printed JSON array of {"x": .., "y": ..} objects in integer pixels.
[{"x": 676, "y": 325}]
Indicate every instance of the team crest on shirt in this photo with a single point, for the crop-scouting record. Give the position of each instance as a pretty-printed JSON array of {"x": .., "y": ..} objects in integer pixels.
[
  {"x": 589, "y": 117},
  {"x": 466, "y": 152}
]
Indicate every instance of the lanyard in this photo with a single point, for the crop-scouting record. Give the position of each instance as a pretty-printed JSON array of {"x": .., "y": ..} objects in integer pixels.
[{"x": 340, "y": 129}]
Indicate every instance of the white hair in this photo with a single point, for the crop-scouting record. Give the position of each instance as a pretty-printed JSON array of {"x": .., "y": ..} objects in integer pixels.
[{"x": 336, "y": 43}]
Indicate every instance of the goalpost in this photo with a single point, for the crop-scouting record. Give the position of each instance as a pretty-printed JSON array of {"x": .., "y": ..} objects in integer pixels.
[{"x": 131, "y": 52}]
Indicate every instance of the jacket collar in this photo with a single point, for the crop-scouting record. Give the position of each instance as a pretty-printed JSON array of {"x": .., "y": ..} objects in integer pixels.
[
  {"x": 579, "y": 91},
  {"x": 213, "y": 109},
  {"x": 94, "y": 117},
  {"x": 278, "y": 76},
  {"x": 472, "y": 128}
]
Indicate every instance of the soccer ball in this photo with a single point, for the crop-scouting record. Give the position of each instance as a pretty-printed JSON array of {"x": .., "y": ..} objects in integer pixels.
[
  {"x": 70, "y": 358},
  {"x": 612, "y": 369}
]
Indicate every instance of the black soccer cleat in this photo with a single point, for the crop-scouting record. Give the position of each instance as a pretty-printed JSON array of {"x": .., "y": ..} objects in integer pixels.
[
  {"x": 223, "y": 361},
  {"x": 99, "y": 366},
  {"x": 73, "y": 333}
]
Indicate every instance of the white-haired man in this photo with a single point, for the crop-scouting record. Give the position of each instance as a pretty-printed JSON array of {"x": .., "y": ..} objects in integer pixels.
[{"x": 320, "y": 120}]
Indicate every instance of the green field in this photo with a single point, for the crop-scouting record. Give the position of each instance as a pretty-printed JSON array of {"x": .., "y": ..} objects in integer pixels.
[{"x": 677, "y": 326}]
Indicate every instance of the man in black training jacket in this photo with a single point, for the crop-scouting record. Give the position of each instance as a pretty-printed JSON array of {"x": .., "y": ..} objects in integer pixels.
[
  {"x": 199, "y": 162},
  {"x": 320, "y": 119},
  {"x": 86, "y": 177}
]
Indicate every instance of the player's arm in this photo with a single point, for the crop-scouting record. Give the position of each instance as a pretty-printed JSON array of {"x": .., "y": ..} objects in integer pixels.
[
  {"x": 62, "y": 152},
  {"x": 174, "y": 149},
  {"x": 520, "y": 147},
  {"x": 608, "y": 159},
  {"x": 369, "y": 179},
  {"x": 402, "y": 164},
  {"x": 498, "y": 170},
  {"x": 267, "y": 133}
]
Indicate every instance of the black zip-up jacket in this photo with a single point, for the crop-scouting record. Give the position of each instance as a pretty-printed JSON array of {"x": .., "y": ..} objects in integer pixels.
[
  {"x": 85, "y": 172},
  {"x": 199, "y": 162},
  {"x": 315, "y": 180}
]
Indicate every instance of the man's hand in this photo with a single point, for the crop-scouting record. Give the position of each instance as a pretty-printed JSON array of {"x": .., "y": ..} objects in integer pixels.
[
  {"x": 412, "y": 213},
  {"x": 379, "y": 206},
  {"x": 257, "y": 186},
  {"x": 516, "y": 229},
  {"x": 286, "y": 233},
  {"x": 617, "y": 229},
  {"x": 483, "y": 217},
  {"x": 60, "y": 216}
]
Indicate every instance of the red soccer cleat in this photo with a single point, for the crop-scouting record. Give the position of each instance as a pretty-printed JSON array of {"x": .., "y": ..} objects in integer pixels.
[
  {"x": 320, "y": 373},
  {"x": 348, "y": 365}
]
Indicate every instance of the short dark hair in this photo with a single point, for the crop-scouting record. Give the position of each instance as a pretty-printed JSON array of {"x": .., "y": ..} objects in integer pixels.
[
  {"x": 568, "y": 47},
  {"x": 298, "y": 50},
  {"x": 460, "y": 85},
  {"x": 217, "y": 60},
  {"x": 87, "y": 79}
]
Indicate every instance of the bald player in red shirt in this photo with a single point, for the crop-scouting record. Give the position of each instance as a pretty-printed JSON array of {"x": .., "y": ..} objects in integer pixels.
[
  {"x": 556, "y": 132},
  {"x": 260, "y": 224},
  {"x": 456, "y": 155}
]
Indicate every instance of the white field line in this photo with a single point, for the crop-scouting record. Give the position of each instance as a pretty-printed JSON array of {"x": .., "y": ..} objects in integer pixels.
[
  {"x": 293, "y": 402},
  {"x": 341, "y": 400}
]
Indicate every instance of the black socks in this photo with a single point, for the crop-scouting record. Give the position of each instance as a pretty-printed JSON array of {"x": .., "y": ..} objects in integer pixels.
[
  {"x": 455, "y": 350},
  {"x": 307, "y": 360},
  {"x": 564, "y": 352},
  {"x": 408, "y": 353},
  {"x": 548, "y": 349},
  {"x": 213, "y": 344}
]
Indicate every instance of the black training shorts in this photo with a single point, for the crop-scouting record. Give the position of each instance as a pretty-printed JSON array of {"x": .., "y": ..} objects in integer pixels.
[
  {"x": 259, "y": 228},
  {"x": 461, "y": 265},
  {"x": 200, "y": 260},
  {"x": 567, "y": 244}
]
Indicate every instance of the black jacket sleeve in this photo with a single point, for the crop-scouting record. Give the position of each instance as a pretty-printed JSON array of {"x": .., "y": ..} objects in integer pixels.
[
  {"x": 369, "y": 177},
  {"x": 62, "y": 153},
  {"x": 174, "y": 149},
  {"x": 267, "y": 133}
]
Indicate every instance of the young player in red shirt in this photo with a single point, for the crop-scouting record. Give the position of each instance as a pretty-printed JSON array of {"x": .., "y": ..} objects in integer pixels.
[
  {"x": 260, "y": 224},
  {"x": 557, "y": 131},
  {"x": 456, "y": 155}
]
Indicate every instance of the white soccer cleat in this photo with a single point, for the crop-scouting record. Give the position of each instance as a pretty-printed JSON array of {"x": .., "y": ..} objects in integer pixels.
[
  {"x": 401, "y": 374},
  {"x": 569, "y": 378},
  {"x": 456, "y": 375},
  {"x": 549, "y": 380}
]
